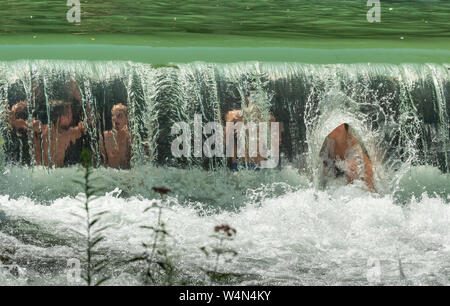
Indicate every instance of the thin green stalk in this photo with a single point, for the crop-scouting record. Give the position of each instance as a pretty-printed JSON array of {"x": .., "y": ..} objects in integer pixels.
[
  {"x": 92, "y": 233},
  {"x": 216, "y": 266}
]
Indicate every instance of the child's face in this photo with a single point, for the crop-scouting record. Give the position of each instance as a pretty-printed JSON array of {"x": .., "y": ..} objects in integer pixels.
[
  {"x": 65, "y": 120},
  {"x": 119, "y": 118}
]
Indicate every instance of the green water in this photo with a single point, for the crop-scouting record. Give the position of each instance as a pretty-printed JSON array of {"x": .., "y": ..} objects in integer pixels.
[
  {"x": 324, "y": 31},
  {"x": 267, "y": 18},
  {"x": 224, "y": 49}
]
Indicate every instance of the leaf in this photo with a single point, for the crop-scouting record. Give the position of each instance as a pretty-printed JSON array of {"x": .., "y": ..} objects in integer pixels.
[
  {"x": 203, "y": 249},
  {"x": 93, "y": 222},
  {"x": 162, "y": 264},
  {"x": 96, "y": 241},
  {"x": 161, "y": 231},
  {"x": 135, "y": 259},
  {"x": 154, "y": 205},
  {"x": 102, "y": 281},
  {"x": 101, "y": 229},
  {"x": 97, "y": 190},
  {"x": 147, "y": 227}
]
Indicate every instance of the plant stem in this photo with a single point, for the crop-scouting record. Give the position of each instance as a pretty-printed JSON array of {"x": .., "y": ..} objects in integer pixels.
[
  {"x": 155, "y": 241},
  {"x": 88, "y": 227},
  {"x": 217, "y": 260}
]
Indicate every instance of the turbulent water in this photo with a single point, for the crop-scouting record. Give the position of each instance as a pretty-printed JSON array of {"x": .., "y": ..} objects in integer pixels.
[
  {"x": 290, "y": 229},
  {"x": 288, "y": 233}
]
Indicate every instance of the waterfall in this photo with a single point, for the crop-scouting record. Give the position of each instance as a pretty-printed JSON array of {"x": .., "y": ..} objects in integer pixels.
[{"x": 400, "y": 112}]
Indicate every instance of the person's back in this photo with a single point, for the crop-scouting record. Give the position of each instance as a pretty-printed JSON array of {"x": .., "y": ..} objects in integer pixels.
[{"x": 342, "y": 153}]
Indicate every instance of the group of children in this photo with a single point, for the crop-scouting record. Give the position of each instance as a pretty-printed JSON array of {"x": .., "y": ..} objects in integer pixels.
[
  {"x": 52, "y": 140},
  {"x": 341, "y": 152}
]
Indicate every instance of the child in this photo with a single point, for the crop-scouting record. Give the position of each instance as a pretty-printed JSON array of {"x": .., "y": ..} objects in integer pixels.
[
  {"x": 54, "y": 139},
  {"x": 115, "y": 145},
  {"x": 251, "y": 114},
  {"x": 18, "y": 146}
]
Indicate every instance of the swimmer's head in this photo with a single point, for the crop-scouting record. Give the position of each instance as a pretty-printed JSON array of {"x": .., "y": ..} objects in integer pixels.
[
  {"x": 61, "y": 113},
  {"x": 72, "y": 92},
  {"x": 20, "y": 110},
  {"x": 119, "y": 116}
]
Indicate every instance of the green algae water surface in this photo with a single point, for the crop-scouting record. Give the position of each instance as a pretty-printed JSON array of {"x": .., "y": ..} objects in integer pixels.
[{"x": 324, "y": 31}]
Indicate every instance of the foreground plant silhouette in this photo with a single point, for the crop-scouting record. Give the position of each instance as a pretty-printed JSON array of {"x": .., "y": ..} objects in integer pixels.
[
  {"x": 156, "y": 255},
  {"x": 221, "y": 234},
  {"x": 93, "y": 274},
  {"x": 2, "y": 157}
]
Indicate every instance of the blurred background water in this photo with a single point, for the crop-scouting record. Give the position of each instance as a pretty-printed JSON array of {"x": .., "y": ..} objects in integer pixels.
[
  {"x": 266, "y": 18},
  {"x": 320, "y": 31}
]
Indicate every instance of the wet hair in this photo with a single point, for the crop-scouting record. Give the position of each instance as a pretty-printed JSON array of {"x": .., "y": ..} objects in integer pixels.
[
  {"x": 16, "y": 93},
  {"x": 22, "y": 112},
  {"x": 346, "y": 126},
  {"x": 121, "y": 107},
  {"x": 59, "y": 108}
]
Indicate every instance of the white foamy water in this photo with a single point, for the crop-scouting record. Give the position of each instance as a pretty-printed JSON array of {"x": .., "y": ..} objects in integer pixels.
[{"x": 342, "y": 235}]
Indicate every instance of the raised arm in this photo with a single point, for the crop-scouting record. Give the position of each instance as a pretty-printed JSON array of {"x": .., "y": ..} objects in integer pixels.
[
  {"x": 11, "y": 116},
  {"x": 77, "y": 132}
]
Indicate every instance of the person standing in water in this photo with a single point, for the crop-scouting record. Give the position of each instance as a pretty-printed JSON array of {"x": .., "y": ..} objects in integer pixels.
[
  {"x": 115, "y": 144},
  {"x": 342, "y": 154},
  {"x": 53, "y": 139},
  {"x": 250, "y": 113}
]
